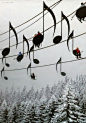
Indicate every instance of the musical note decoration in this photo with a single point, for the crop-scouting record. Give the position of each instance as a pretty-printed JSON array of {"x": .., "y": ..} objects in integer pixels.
[
  {"x": 29, "y": 66},
  {"x": 20, "y": 56},
  {"x": 69, "y": 37},
  {"x": 73, "y": 51},
  {"x": 59, "y": 62},
  {"x": 36, "y": 61},
  {"x": 81, "y": 12},
  {"x": 6, "y": 51},
  {"x": 38, "y": 39},
  {"x": 7, "y": 64},
  {"x": 6, "y": 78},
  {"x": 31, "y": 75},
  {"x": 58, "y": 38}
]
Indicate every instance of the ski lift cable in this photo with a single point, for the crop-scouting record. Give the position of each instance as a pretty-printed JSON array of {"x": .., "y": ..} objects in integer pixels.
[
  {"x": 29, "y": 25},
  {"x": 49, "y": 45},
  {"x": 44, "y": 30},
  {"x": 41, "y": 32},
  {"x": 31, "y": 18},
  {"x": 49, "y": 64}
]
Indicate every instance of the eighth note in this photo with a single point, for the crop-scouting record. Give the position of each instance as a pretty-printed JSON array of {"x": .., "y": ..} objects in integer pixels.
[
  {"x": 59, "y": 62},
  {"x": 58, "y": 38},
  {"x": 20, "y": 56}
]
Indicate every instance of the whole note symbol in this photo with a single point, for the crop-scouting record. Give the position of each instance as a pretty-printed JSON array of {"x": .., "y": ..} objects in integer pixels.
[
  {"x": 58, "y": 38},
  {"x": 38, "y": 39},
  {"x": 59, "y": 62}
]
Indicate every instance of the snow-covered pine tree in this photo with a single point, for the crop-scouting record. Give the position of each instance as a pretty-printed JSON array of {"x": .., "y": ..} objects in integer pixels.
[
  {"x": 26, "y": 117},
  {"x": 4, "y": 113},
  {"x": 43, "y": 113},
  {"x": 47, "y": 92},
  {"x": 32, "y": 114},
  {"x": 13, "y": 114}
]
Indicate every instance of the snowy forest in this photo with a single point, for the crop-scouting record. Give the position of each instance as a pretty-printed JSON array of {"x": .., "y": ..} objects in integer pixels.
[{"x": 62, "y": 103}]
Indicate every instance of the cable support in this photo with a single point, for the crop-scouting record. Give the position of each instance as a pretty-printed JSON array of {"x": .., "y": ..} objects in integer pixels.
[{"x": 50, "y": 45}]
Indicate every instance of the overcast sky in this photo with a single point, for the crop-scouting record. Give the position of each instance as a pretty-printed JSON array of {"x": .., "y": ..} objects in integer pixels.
[{"x": 19, "y": 11}]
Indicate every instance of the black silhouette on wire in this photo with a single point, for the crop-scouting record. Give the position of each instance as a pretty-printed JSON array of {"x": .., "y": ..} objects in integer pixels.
[
  {"x": 38, "y": 39},
  {"x": 21, "y": 55},
  {"x": 59, "y": 62},
  {"x": 32, "y": 75},
  {"x": 76, "y": 51},
  {"x": 5, "y": 77},
  {"x": 6, "y": 51},
  {"x": 81, "y": 13},
  {"x": 58, "y": 38}
]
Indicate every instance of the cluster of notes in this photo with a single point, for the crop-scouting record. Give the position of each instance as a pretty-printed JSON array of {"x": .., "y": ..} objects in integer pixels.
[{"x": 37, "y": 40}]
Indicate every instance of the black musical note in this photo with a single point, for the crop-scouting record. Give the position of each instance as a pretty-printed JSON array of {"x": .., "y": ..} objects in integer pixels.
[
  {"x": 36, "y": 61},
  {"x": 31, "y": 49},
  {"x": 69, "y": 37},
  {"x": 37, "y": 40},
  {"x": 58, "y": 38},
  {"x": 6, "y": 51},
  {"x": 51, "y": 12},
  {"x": 74, "y": 51},
  {"x": 7, "y": 64},
  {"x": 20, "y": 57},
  {"x": 59, "y": 62},
  {"x": 4, "y": 74},
  {"x": 29, "y": 66}
]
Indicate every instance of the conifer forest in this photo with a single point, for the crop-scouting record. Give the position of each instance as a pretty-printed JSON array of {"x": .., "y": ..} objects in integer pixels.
[{"x": 62, "y": 103}]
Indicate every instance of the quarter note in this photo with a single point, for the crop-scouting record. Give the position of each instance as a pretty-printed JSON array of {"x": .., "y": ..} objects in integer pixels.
[
  {"x": 58, "y": 38},
  {"x": 59, "y": 62},
  {"x": 4, "y": 74},
  {"x": 20, "y": 57},
  {"x": 38, "y": 39}
]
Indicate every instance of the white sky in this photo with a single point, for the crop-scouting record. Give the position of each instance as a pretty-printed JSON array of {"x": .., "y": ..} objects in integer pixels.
[{"x": 18, "y": 12}]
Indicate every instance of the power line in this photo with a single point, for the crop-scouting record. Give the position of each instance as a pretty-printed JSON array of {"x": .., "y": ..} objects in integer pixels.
[
  {"x": 48, "y": 64},
  {"x": 29, "y": 25},
  {"x": 49, "y": 45},
  {"x": 30, "y": 19}
]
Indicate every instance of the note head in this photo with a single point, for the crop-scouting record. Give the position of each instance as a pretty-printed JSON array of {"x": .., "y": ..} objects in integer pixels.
[
  {"x": 5, "y": 52},
  {"x": 37, "y": 40},
  {"x": 19, "y": 58},
  {"x": 74, "y": 52},
  {"x": 63, "y": 73},
  {"x": 36, "y": 61},
  {"x": 57, "y": 39},
  {"x": 81, "y": 13},
  {"x": 5, "y": 78},
  {"x": 8, "y": 65}
]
